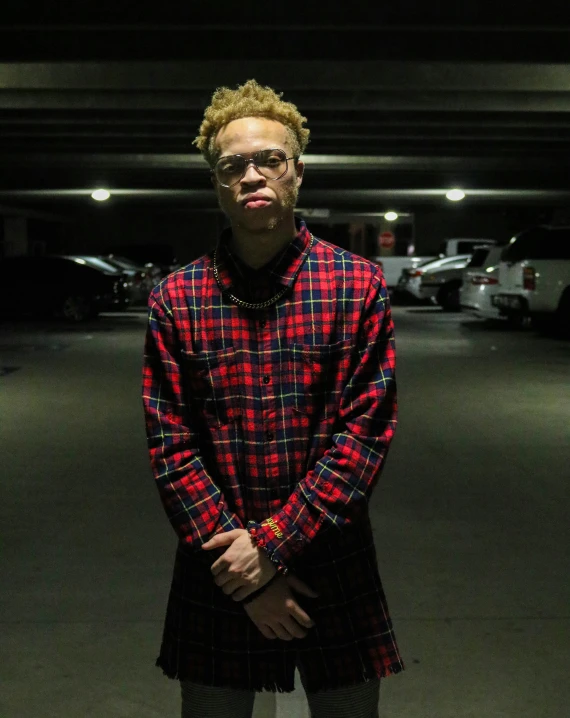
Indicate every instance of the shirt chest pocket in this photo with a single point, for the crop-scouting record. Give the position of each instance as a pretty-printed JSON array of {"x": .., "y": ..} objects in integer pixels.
[
  {"x": 319, "y": 373},
  {"x": 212, "y": 387}
]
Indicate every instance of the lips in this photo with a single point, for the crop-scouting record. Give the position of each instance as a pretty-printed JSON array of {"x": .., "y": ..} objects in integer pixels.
[
  {"x": 256, "y": 201},
  {"x": 256, "y": 204}
]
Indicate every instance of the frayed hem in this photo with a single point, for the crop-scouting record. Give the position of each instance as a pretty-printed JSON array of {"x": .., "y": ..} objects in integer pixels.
[
  {"x": 365, "y": 677},
  {"x": 270, "y": 687},
  {"x": 273, "y": 687}
]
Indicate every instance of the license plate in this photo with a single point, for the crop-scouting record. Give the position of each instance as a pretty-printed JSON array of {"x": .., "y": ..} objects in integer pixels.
[{"x": 506, "y": 301}]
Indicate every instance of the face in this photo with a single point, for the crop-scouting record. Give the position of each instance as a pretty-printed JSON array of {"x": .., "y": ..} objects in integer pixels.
[{"x": 276, "y": 198}]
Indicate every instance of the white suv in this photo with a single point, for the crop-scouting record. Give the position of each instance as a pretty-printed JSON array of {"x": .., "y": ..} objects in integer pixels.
[{"x": 534, "y": 277}]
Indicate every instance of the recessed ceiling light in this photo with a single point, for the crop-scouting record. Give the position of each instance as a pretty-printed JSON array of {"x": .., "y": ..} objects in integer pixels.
[
  {"x": 101, "y": 195},
  {"x": 455, "y": 195},
  {"x": 391, "y": 216}
]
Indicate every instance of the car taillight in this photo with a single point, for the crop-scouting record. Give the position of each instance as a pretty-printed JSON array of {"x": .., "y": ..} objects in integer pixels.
[
  {"x": 529, "y": 279},
  {"x": 416, "y": 273},
  {"x": 478, "y": 281}
]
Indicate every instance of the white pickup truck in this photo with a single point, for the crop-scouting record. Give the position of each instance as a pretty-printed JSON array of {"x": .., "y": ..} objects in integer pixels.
[
  {"x": 534, "y": 278},
  {"x": 393, "y": 266}
]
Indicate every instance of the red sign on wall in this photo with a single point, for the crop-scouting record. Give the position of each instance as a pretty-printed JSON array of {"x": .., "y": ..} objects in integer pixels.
[{"x": 387, "y": 240}]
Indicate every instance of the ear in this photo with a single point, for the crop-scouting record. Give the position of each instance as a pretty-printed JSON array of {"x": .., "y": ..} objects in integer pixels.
[{"x": 300, "y": 171}]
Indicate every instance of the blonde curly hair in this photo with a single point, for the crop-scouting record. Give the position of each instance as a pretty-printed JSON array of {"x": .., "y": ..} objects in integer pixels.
[{"x": 249, "y": 100}]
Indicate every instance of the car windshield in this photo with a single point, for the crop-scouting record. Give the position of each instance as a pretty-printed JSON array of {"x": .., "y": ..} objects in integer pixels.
[
  {"x": 479, "y": 256},
  {"x": 122, "y": 262},
  {"x": 96, "y": 263},
  {"x": 457, "y": 259}
]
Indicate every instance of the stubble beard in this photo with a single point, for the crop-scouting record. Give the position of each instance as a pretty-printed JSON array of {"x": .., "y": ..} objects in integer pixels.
[{"x": 288, "y": 203}]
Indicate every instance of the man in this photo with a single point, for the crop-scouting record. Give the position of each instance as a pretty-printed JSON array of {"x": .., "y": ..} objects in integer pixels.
[{"x": 270, "y": 402}]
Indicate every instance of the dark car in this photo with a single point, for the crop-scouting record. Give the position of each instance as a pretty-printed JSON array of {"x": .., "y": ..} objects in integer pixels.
[
  {"x": 122, "y": 287},
  {"x": 142, "y": 277},
  {"x": 52, "y": 286},
  {"x": 160, "y": 257}
]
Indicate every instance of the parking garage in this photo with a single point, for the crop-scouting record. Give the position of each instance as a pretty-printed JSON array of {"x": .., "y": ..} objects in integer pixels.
[{"x": 469, "y": 516}]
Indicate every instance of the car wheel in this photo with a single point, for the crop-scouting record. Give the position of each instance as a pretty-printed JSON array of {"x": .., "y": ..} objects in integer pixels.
[
  {"x": 448, "y": 298},
  {"x": 77, "y": 308}
]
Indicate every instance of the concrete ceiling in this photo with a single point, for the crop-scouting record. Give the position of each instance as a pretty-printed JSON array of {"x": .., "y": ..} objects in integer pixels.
[{"x": 400, "y": 110}]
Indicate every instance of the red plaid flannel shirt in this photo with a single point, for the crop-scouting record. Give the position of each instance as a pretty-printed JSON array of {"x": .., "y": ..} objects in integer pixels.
[{"x": 278, "y": 420}]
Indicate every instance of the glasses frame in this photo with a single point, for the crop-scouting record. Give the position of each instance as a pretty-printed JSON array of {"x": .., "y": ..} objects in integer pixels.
[{"x": 249, "y": 161}]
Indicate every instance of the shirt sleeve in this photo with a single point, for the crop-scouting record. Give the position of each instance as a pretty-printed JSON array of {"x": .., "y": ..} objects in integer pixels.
[
  {"x": 194, "y": 504},
  {"x": 337, "y": 489}
]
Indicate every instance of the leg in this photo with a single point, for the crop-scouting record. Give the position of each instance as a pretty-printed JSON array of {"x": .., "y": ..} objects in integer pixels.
[
  {"x": 214, "y": 702},
  {"x": 358, "y": 701}
]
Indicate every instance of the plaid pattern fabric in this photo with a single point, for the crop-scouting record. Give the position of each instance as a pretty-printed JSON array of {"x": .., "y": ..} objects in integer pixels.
[{"x": 278, "y": 419}]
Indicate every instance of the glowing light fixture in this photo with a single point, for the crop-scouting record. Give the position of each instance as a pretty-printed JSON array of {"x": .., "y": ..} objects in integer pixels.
[
  {"x": 391, "y": 216},
  {"x": 455, "y": 195},
  {"x": 101, "y": 195}
]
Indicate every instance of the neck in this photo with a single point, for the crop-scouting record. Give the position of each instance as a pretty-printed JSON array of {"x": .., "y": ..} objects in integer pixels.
[{"x": 256, "y": 248}]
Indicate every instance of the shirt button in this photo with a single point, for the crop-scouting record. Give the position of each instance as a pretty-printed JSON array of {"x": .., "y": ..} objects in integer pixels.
[
  {"x": 270, "y": 436},
  {"x": 266, "y": 379}
]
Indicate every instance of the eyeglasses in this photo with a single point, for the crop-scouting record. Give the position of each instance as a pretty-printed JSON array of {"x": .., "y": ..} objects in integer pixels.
[{"x": 272, "y": 164}]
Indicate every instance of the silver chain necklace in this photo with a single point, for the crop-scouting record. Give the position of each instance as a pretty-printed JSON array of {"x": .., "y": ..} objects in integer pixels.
[{"x": 259, "y": 305}]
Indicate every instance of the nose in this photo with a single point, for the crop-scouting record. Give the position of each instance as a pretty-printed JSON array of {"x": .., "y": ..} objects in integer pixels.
[{"x": 251, "y": 174}]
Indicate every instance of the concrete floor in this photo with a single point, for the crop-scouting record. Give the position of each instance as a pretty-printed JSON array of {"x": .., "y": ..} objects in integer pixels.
[{"x": 470, "y": 517}]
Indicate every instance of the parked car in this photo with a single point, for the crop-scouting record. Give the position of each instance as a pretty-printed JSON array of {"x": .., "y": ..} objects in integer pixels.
[
  {"x": 53, "y": 286},
  {"x": 123, "y": 286},
  {"x": 142, "y": 277},
  {"x": 393, "y": 266},
  {"x": 151, "y": 255},
  {"x": 480, "y": 283},
  {"x": 441, "y": 285},
  {"x": 534, "y": 277},
  {"x": 411, "y": 280}
]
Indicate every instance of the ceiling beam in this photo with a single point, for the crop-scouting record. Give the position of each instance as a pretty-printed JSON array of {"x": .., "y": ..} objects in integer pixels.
[{"x": 197, "y": 76}]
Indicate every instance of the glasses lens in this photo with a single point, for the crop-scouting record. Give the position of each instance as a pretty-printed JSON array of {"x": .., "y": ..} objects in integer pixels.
[
  {"x": 229, "y": 169},
  {"x": 271, "y": 163}
]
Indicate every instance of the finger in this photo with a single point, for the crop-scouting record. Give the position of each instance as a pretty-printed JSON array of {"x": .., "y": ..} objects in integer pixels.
[
  {"x": 220, "y": 565},
  {"x": 301, "y": 587},
  {"x": 301, "y": 617},
  {"x": 294, "y": 628},
  {"x": 281, "y": 632},
  {"x": 231, "y": 586},
  {"x": 241, "y": 593},
  {"x": 222, "y": 539},
  {"x": 221, "y": 577},
  {"x": 266, "y": 631}
]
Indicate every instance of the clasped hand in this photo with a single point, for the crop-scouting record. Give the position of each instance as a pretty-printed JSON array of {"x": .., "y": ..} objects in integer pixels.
[{"x": 243, "y": 568}]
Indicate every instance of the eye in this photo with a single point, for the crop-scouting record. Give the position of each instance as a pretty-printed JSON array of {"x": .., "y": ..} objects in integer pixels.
[
  {"x": 272, "y": 158},
  {"x": 229, "y": 165}
]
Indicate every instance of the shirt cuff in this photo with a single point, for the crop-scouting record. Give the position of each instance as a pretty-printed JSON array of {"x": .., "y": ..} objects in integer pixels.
[
  {"x": 268, "y": 541},
  {"x": 281, "y": 539}
]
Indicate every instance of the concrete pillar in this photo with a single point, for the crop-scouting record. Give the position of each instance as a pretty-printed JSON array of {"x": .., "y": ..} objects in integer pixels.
[{"x": 15, "y": 236}]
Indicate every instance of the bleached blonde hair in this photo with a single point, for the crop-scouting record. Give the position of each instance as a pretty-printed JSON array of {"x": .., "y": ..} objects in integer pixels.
[{"x": 249, "y": 100}]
